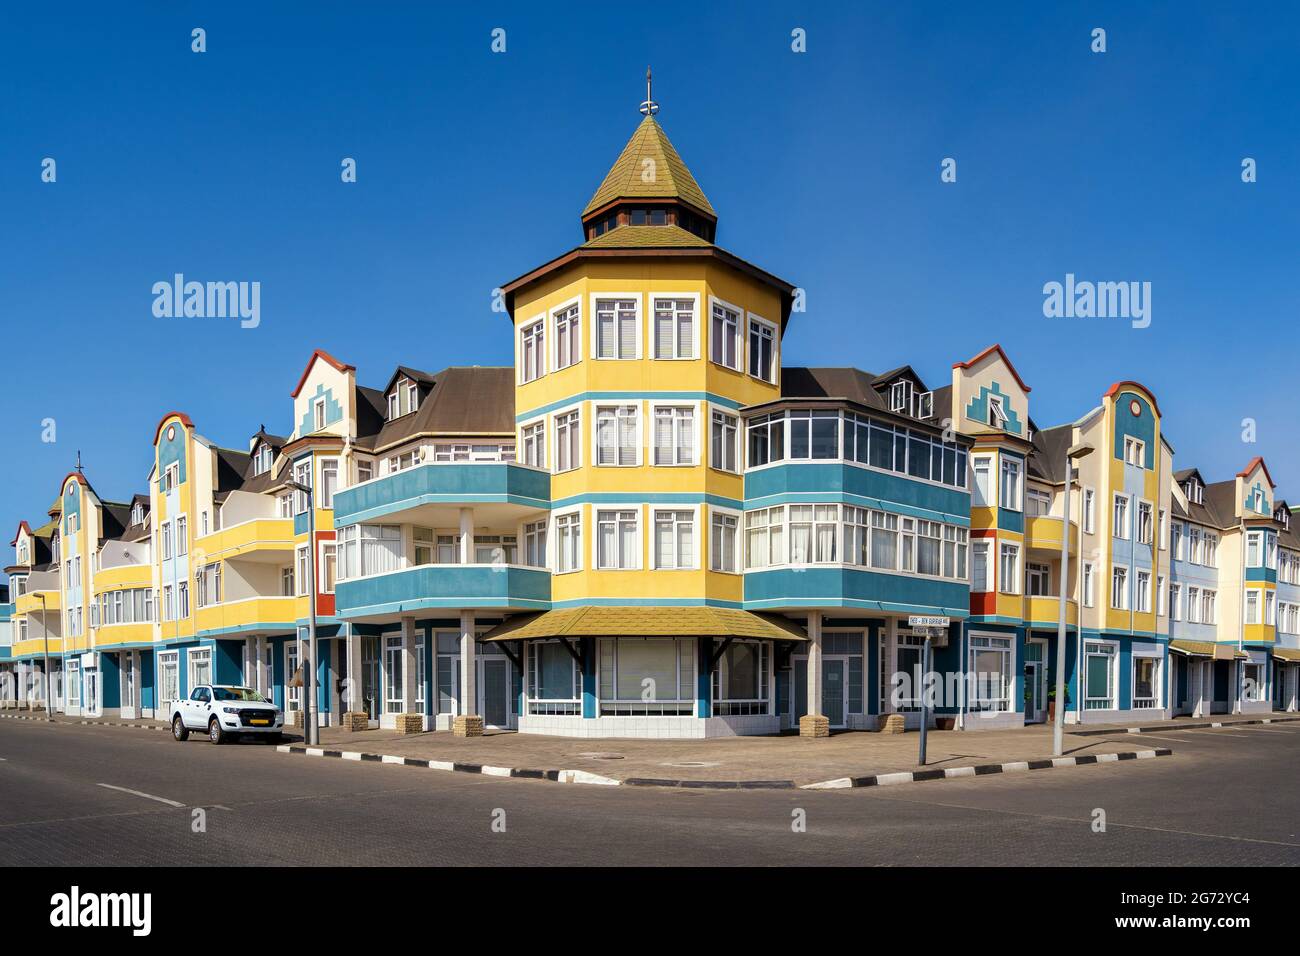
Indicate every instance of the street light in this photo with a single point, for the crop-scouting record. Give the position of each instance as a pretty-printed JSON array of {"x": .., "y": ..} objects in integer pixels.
[
  {"x": 308, "y": 690},
  {"x": 1081, "y": 450},
  {"x": 45, "y": 635}
]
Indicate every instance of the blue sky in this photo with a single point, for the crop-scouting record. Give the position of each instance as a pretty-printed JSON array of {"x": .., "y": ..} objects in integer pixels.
[{"x": 473, "y": 167}]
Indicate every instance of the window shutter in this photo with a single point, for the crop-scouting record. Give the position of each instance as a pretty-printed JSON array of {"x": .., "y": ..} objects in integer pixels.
[
  {"x": 686, "y": 335},
  {"x": 626, "y": 335},
  {"x": 685, "y": 436},
  {"x": 663, "y": 437},
  {"x": 605, "y": 345},
  {"x": 627, "y": 438},
  {"x": 664, "y": 335}
]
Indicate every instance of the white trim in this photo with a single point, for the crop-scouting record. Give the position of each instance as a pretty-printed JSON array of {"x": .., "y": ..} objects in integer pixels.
[
  {"x": 552, "y": 320},
  {"x": 776, "y": 348},
  {"x": 696, "y": 535},
  {"x": 738, "y": 549},
  {"x": 519, "y": 349},
  {"x": 637, "y": 508},
  {"x": 699, "y": 339},
  {"x": 651, "y": 432},
  {"x": 740, "y": 365},
  {"x": 639, "y": 298}
]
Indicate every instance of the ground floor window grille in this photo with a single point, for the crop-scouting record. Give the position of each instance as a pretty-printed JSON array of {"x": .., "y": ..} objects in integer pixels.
[
  {"x": 554, "y": 680},
  {"x": 1146, "y": 682},
  {"x": 740, "y": 684},
  {"x": 394, "y": 702},
  {"x": 907, "y": 660},
  {"x": 169, "y": 688},
  {"x": 292, "y": 695},
  {"x": 1099, "y": 668},
  {"x": 74, "y": 684},
  {"x": 653, "y": 676},
  {"x": 200, "y": 667},
  {"x": 989, "y": 674}
]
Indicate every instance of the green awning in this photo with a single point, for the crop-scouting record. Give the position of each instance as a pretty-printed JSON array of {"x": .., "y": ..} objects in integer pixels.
[{"x": 646, "y": 622}]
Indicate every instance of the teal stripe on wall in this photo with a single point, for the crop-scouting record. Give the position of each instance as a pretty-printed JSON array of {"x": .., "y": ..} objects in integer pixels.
[{"x": 628, "y": 397}]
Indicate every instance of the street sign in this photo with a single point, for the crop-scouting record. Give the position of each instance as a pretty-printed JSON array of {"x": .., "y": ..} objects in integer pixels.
[{"x": 928, "y": 620}]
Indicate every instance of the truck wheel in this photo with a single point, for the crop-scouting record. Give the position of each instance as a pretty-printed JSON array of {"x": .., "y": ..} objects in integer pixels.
[
  {"x": 178, "y": 729},
  {"x": 215, "y": 733}
]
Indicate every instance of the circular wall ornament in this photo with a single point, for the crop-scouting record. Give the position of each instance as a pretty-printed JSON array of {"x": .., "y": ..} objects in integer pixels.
[
  {"x": 1135, "y": 407},
  {"x": 171, "y": 431}
]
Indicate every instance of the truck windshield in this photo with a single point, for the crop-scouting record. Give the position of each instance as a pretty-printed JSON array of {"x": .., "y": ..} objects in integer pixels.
[{"x": 238, "y": 693}]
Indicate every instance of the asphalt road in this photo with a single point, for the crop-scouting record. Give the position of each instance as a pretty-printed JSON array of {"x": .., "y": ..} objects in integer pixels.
[{"x": 1225, "y": 798}]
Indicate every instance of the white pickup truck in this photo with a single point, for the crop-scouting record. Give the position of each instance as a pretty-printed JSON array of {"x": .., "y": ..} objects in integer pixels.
[{"x": 226, "y": 712}]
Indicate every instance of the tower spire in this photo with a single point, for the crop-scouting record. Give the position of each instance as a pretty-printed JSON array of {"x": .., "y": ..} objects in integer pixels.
[{"x": 649, "y": 107}]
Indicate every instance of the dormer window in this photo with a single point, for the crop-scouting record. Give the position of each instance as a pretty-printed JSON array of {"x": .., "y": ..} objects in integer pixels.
[
  {"x": 263, "y": 460},
  {"x": 137, "y": 513},
  {"x": 1134, "y": 450},
  {"x": 403, "y": 399},
  {"x": 925, "y": 405},
  {"x": 1282, "y": 517},
  {"x": 997, "y": 414},
  {"x": 1193, "y": 490},
  {"x": 318, "y": 414},
  {"x": 900, "y": 396},
  {"x": 22, "y": 553},
  {"x": 54, "y": 549}
]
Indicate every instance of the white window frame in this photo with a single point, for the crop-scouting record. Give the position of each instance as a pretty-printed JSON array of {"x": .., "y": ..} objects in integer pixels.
[
  {"x": 559, "y": 314},
  {"x": 738, "y": 341},
  {"x": 1128, "y": 585},
  {"x": 1121, "y": 520},
  {"x": 1089, "y": 510},
  {"x": 737, "y": 553},
  {"x": 596, "y": 297},
  {"x": 537, "y": 442},
  {"x": 775, "y": 332},
  {"x": 1007, "y": 464},
  {"x": 532, "y": 332},
  {"x": 692, "y": 562},
  {"x": 1142, "y": 591},
  {"x": 1112, "y": 676},
  {"x": 984, "y": 545},
  {"x": 620, "y": 413},
  {"x": 555, "y": 541},
  {"x": 638, "y": 536},
  {"x": 653, "y": 431},
  {"x": 1016, "y": 568},
  {"x": 1089, "y": 584},
  {"x": 738, "y": 427},
  {"x": 1157, "y": 681},
  {"x": 554, "y": 438},
  {"x": 319, "y": 414},
  {"x": 677, "y": 356},
  {"x": 988, "y": 496}
]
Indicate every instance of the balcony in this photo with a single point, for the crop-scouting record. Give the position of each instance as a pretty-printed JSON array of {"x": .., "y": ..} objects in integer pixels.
[
  {"x": 42, "y": 594},
  {"x": 123, "y": 576},
  {"x": 443, "y": 586},
  {"x": 1044, "y": 611},
  {"x": 840, "y": 586},
  {"x": 427, "y": 494},
  {"x": 247, "y": 615},
  {"x": 1043, "y": 533},
  {"x": 258, "y": 539}
]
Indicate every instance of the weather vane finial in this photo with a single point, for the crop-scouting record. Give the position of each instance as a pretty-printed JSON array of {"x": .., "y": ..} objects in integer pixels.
[{"x": 649, "y": 107}]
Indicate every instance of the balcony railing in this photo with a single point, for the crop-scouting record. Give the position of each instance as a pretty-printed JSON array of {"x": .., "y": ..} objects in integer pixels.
[
  {"x": 1043, "y": 532},
  {"x": 442, "y": 483},
  {"x": 444, "y": 586}
]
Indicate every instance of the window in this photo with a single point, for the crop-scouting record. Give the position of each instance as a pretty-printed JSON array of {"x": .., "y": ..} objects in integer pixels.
[
  {"x": 1099, "y": 667},
  {"x": 814, "y": 530},
  {"x": 1193, "y": 605},
  {"x": 766, "y": 439},
  {"x": 1195, "y": 552},
  {"x": 1176, "y": 541},
  {"x": 1037, "y": 579},
  {"x": 287, "y": 586},
  {"x": 394, "y": 692},
  {"x": 616, "y": 435},
  {"x": 568, "y": 442},
  {"x": 1143, "y": 583},
  {"x": 1009, "y": 569},
  {"x": 1270, "y": 551},
  {"x": 1270, "y": 608},
  {"x": 616, "y": 328},
  {"x": 925, "y": 405},
  {"x": 1252, "y": 606},
  {"x": 1175, "y": 601},
  {"x": 815, "y": 435},
  {"x": 394, "y": 406},
  {"x": 568, "y": 340},
  {"x": 857, "y": 536},
  {"x": 982, "y": 493},
  {"x": 329, "y": 566},
  {"x": 762, "y": 350},
  {"x": 1211, "y": 550},
  {"x": 1146, "y": 682},
  {"x": 208, "y": 585},
  {"x": 534, "y": 444},
  {"x": 302, "y": 475},
  {"x": 617, "y": 544},
  {"x": 674, "y": 436},
  {"x": 304, "y": 570},
  {"x": 649, "y": 676},
  {"x": 1144, "y": 526},
  {"x": 200, "y": 661},
  {"x": 402, "y": 461},
  {"x": 674, "y": 539},
  {"x": 997, "y": 414},
  {"x": 532, "y": 361},
  {"x": 990, "y": 664},
  {"x": 979, "y": 565},
  {"x": 674, "y": 329},
  {"x": 1161, "y": 594},
  {"x": 1163, "y": 529},
  {"x": 284, "y": 505},
  {"x": 740, "y": 682},
  {"x": 182, "y": 538},
  {"x": 1119, "y": 588},
  {"x": 568, "y": 542},
  {"x": 722, "y": 541},
  {"x": 168, "y": 544},
  {"x": 1089, "y": 584},
  {"x": 496, "y": 549},
  {"x": 900, "y": 396},
  {"x": 1120, "y": 524},
  {"x": 725, "y": 337},
  {"x": 318, "y": 414},
  {"x": 764, "y": 537},
  {"x": 723, "y": 434},
  {"x": 1207, "y": 606},
  {"x": 329, "y": 482},
  {"x": 1254, "y": 545},
  {"x": 535, "y": 544},
  {"x": 1134, "y": 451},
  {"x": 1253, "y": 681},
  {"x": 446, "y": 548},
  {"x": 1037, "y": 503},
  {"x": 554, "y": 679},
  {"x": 182, "y": 599},
  {"x": 1010, "y": 484}
]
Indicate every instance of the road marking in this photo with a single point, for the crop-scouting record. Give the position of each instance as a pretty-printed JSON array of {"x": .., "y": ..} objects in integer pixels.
[{"x": 141, "y": 793}]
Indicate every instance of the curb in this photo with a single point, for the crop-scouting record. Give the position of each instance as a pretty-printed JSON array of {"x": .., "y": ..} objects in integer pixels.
[
  {"x": 981, "y": 770},
  {"x": 555, "y": 776},
  {"x": 44, "y": 720},
  {"x": 83, "y": 723},
  {"x": 1158, "y": 728}
]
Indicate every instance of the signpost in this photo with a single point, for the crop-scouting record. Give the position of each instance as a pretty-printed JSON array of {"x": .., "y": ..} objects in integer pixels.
[{"x": 935, "y": 629}]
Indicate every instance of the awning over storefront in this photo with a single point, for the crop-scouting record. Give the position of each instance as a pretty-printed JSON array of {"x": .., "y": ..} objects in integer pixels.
[
  {"x": 646, "y": 622},
  {"x": 1287, "y": 655},
  {"x": 1208, "y": 649}
]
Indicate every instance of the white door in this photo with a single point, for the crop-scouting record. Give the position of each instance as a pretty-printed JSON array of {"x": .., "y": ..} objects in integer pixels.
[
  {"x": 128, "y": 680},
  {"x": 92, "y": 705},
  {"x": 169, "y": 687}
]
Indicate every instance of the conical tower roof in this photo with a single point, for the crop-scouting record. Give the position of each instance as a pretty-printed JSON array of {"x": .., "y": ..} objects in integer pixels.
[{"x": 649, "y": 168}]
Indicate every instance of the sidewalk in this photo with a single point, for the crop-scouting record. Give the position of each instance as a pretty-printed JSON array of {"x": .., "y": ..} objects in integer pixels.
[{"x": 775, "y": 760}]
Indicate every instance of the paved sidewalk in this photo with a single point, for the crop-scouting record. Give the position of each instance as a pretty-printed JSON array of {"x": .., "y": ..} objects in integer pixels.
[{"x": 789, "y": 758}]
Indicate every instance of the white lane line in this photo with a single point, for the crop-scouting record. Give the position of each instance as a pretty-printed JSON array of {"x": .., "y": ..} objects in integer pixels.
[{"x": 140, "y": 793}]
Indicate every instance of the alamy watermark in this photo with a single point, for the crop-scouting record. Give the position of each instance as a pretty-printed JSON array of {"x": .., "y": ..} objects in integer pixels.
[
  {"x": 208, "y": 300},
  {"x": 1083, "y": 299}
]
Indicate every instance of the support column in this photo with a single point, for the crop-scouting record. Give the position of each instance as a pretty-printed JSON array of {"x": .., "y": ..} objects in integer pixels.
[
  {"x": 410, "y": 721},
  {"x": 354, "y": 717},
  {"x": 814, "y": 724},
  {"x": 466, "y": 535},
  {"x": 261, "y": 679},
  {"x": 20, "y": 681},
  {"x": 468, "y": 722}
]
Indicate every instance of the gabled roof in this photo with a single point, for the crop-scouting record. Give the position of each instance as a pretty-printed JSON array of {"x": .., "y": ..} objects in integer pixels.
[
  {"x": 319, "y": 354},
  {"x": 985, "y": 354},
  {"x": 463, "y": 400},
  {"x": 414, "y": 374},
  {"x": 671, "y": 179},
  {"x": 1047, "y": 459},
  {"x": 1257, "y": 460}
]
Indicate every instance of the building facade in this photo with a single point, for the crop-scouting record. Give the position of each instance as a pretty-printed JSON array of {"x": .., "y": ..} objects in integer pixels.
[{"x": 649, "y": 525}]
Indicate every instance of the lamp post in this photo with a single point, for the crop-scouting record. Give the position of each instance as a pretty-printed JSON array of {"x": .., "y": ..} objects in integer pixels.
[
  {"x": 1075, "y": 453},
  {"x": 45, "y": 635},
  {"x": 312, "y": 732}
]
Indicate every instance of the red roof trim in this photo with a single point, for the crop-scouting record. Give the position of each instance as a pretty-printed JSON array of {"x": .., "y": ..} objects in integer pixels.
[
  {"x": 319, "y": 354},
  {"x": 22, "y": 526},
  {"x": 985, "y": 354},
  {"x": 1257, "y": 460},
  {"x": 184, "y": 420},
  {"x": 1114, "y": 390},
  {"x": 72, "y": 474}
]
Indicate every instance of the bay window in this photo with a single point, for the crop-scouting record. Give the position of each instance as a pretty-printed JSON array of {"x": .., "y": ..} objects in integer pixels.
[
  {"x": 674, "y": 433},
  {"x": 674, "y": 328},
  {"x": 674, "y": 539},
  {"x": 617, "y": 541},
  {"x": 647, "y": 676},
  {"x": 616, "y": 329}
]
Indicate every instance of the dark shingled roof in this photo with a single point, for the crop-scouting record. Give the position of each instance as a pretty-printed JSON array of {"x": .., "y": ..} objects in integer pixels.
[
  {"x": 138, "y": 532},
  {"x": 267, "y": 480},
  {"x": 1047, "y": 458},
  {"x": 478, "y": 400}
]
